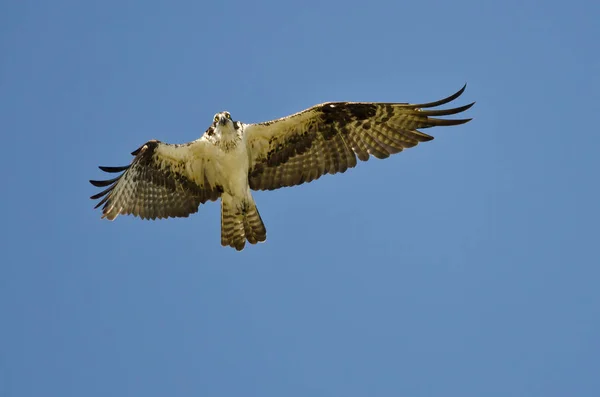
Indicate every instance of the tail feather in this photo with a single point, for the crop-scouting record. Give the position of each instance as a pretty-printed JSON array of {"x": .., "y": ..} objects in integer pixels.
[
  {"x": 240, "y": 221},
  {"x": 254, "y": 228}
]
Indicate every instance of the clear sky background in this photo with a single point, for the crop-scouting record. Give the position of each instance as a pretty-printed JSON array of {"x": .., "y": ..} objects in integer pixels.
[{"x": 467, "y": 266}]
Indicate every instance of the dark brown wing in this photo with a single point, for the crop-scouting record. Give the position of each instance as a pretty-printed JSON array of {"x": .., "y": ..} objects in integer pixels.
[
  {"x": 158, "y": 183},
  {"x": 327, "y": 138}
]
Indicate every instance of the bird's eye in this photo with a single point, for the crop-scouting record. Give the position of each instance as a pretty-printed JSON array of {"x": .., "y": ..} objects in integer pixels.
[
  {"x": 216, "y": 117},
  {"x": 228, "y": 115}
]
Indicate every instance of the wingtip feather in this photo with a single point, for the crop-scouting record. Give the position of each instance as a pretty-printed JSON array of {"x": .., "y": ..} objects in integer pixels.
[
  {"x": 445, "y": 112},
  {"x": 104, "y": 183},
  {"x": 113, "y": 169},
  {"x": 443, "y": 101}
]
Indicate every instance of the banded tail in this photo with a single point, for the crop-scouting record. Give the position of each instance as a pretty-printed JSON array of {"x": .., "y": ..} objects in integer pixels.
[{"x": 240, "y": 221}]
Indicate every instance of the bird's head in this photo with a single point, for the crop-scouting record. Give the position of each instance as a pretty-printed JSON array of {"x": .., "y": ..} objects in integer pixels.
[
  {"x": 222, "y": 119},
  {"x": 223, "y": 127}
]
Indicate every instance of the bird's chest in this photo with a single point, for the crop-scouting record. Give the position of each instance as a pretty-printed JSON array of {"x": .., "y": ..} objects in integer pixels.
[{"x": 232, "y": 168}]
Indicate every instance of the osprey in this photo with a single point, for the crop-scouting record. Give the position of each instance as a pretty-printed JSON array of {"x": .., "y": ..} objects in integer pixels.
[{"x": 233, "y": 158}]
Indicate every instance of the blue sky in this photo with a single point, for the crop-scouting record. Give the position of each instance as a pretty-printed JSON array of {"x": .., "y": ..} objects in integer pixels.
[{"x": 467, "y": 266}]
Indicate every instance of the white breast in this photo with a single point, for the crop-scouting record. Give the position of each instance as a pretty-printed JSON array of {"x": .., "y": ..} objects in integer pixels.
[{"x": 232, "y": 170}]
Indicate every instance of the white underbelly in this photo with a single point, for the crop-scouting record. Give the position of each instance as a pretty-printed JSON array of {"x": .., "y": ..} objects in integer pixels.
[{"x": 232, "y": 169}]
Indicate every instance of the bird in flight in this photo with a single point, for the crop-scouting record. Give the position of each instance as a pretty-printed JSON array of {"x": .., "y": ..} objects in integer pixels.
[{"x": 233, "y": 158}]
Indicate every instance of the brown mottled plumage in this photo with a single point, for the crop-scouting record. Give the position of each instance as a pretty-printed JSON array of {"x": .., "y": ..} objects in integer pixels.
[
  {"x": 231, "y": 158},
  {"x": 327, "y": 138},
  {"x": 152, "y": 188}
]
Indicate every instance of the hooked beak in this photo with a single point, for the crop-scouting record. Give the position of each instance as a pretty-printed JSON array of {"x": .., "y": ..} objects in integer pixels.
[{"x": 223, "y": 120}]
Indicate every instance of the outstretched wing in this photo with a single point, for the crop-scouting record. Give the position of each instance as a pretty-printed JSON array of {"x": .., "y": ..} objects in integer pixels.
[
  {"x": 327, "y": 138},
  {"x": 162, "y": 181}
]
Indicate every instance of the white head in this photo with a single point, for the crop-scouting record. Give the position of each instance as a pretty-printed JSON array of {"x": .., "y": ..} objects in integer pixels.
[
  {"x": 222, "y": 119},
  {"x": 224, "y": 129},
  {"x": 224, "y": 125}
]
